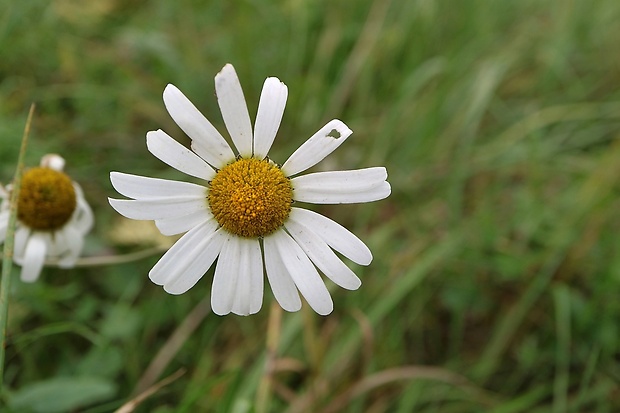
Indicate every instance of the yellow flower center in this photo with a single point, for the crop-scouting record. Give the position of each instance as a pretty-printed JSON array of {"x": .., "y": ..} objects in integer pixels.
[
  {"x": 46, "y": 199},
  {"x": 250, "y": 197}
]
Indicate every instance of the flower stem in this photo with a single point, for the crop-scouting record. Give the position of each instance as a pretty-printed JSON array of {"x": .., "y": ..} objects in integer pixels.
[
  {"x": 100, "y": 261},
  {"x": 7, "y": 262},
  {"x": 263, "y": 395}
]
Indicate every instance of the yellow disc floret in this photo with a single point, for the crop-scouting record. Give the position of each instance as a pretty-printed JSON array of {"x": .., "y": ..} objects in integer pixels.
[
  {"x": 46, "y": 199},
  {"x": 250, "y": 197}
]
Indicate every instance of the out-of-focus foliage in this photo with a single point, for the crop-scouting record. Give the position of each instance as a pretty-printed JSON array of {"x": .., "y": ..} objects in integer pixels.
[{"x": 497, "y": 268}]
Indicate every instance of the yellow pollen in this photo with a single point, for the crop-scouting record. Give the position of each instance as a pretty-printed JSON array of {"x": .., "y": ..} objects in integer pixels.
[
  {"x": 46, "y": 200},
  {"x": 250, "y": 197}
]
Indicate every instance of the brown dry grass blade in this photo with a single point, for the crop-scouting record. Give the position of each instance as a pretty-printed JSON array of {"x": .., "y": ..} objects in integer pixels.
[{"x": 131, "y": 405}]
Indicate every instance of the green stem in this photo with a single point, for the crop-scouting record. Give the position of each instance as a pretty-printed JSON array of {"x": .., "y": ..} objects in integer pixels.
[
  {"x": 100, "y": 261},
  {"x": 274, "y": 326},
  {"x": 7, "y": 262}
]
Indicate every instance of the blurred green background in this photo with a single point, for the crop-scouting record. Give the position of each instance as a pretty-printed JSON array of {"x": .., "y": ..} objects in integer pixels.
[{"x": 496, "y": 275}]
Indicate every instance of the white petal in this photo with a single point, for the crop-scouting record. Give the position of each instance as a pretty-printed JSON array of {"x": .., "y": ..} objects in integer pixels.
[
  {"x": 53, "y": 161},
  {"x": 157, "y": 209},
  {"x": 306, "y": 278},
  {"x": 34, "y": 257},
  {"x": 257, "y": 280},
  {"x": 374, "y": 193},
  {"x": 334, "y": 234},
  {"x": 56, "y": 243},
  {"x": 315, "y": 149},
  {"x": 146, "y": 188},
  {"x": 225, "y": 279},
  {"x": 4, "y": 224},
  {"x": 249, "y": 291},
  {"x": 270, "y": 110},
  {"x": 72, "y": 243},
  {"x": 213, "y": 147},
  {"x": 22, "y": 234},
  {"x": 322, "y": 256},
  {"x": 179, "y": 225},
  {"x": 338, "y": 181},
  {"x": 178, "y": 156},
  {"x": 234, "y": 109},
  {"x": 209, "y": 248},
  {"x": 82, "y": 219},
  {"x": 241, "y": 292},
  {"x": 180, "y": 256},
  {"x": 281, "y": 283}
]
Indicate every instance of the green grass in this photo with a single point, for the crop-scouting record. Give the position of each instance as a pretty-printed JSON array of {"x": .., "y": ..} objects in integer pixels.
[{"x": 496, "y": 275}]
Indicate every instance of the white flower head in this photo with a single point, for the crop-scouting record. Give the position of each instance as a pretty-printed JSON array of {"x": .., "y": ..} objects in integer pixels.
[
  {"x": 243, "y": 212},
  {"x": 52, "y": 218}
]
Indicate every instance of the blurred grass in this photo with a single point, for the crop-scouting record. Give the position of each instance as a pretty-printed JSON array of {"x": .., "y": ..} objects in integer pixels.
[{"x": 496, "y": 257}]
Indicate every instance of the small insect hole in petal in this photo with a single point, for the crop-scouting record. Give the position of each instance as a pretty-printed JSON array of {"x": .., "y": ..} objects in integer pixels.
[{"x": 334, "y": 134}]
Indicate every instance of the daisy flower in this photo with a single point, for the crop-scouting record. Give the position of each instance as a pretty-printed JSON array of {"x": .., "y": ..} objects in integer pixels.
[
  {"x": 243, "y": 212},
  {"x": 52, "y": 218}
]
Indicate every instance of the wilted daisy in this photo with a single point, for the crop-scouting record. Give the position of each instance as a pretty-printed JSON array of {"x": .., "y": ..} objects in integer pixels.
[
  {"x": 52, "y": 218},
  {"x": 243, "y": 211}
]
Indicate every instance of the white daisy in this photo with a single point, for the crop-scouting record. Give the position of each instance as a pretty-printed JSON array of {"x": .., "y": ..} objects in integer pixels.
[
  {"x": 243, "y": 212},
  {"x": 52, "y": 218}
]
